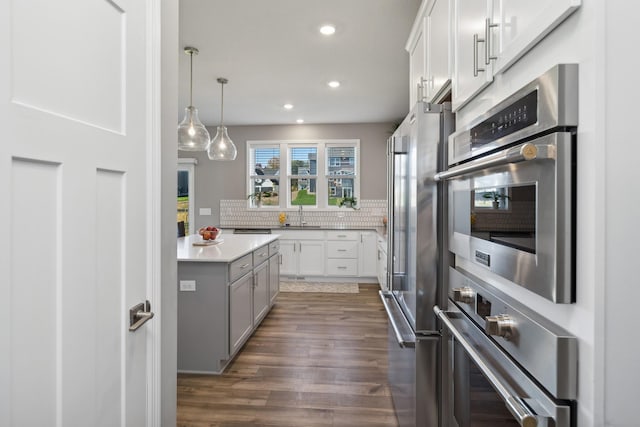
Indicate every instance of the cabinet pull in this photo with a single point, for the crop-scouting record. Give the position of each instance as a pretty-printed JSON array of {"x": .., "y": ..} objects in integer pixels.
[
  {"x": 342, "y": 235},
  {"x": 242, "y": 267},
  {"x": 280, "y": 258},
  {"x": 487, "y": 41},
  {"x": 342, "y": 267},
  {"x": 342, "y": 250},
  {"x": 476, "y": 40}
]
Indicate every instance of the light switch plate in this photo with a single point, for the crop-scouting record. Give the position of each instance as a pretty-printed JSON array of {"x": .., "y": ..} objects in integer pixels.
[
  {"x": 187, "y": 285},
  {"x": 205, "y": 211}
]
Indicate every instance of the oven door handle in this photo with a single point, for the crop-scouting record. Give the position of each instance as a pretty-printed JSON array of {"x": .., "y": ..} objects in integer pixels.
[
  {"x": 525, "y": 152},
  {"x": 516, "y": 406},
  {"x": 397, "y": 320}
]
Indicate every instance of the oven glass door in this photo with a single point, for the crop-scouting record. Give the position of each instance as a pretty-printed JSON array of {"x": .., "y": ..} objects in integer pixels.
[
  {"x": 475, "y": 401},
  {"x": 488, "y": 388},
  {"x": 516, "y": 218}
]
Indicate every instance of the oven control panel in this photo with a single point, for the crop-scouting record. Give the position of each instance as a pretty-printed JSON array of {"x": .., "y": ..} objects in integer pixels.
[
  {"x": 514, "y": 117},
  {"x": 540, "y": 346}
]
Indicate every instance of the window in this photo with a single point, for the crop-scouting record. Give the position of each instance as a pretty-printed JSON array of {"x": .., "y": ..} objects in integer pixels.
[
  {"x": 186, "y": 192},
  {"x": 314, "y": 173},
  {"x": 341, "y": 172},
  {"x": 264, "y": 175},
  {"x": 303, "y": 175}
]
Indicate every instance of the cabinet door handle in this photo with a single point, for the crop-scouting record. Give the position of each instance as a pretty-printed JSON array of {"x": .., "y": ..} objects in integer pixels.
[
  {"x": 487, "y": 41},
  {"x": 476, "y": 40},
  {"x": 280, "y": 258},
  {"x": 300, "y": 245}
]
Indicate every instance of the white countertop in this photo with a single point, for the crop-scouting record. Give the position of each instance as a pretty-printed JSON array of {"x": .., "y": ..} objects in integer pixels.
[{"x": 232, "y": 247}]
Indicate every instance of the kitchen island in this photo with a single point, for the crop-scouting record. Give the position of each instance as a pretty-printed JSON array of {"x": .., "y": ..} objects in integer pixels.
[{"x": 225, "y": 290}]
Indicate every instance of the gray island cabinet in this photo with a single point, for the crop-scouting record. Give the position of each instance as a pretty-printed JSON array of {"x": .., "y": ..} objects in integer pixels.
[{"x": 224, "y": 292}]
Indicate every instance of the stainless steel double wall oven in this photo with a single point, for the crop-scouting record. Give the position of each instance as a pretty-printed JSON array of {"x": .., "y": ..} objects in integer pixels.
[{"x": 511, "y": 180}]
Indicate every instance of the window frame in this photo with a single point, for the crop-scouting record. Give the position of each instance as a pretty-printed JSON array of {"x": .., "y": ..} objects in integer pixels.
[
  {"x": 189, "y": 165},
  {"x": 322, "y": 176}
]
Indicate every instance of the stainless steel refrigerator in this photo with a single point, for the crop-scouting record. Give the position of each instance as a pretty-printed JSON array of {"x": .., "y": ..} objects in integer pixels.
[{"x": 417, "y": 262}]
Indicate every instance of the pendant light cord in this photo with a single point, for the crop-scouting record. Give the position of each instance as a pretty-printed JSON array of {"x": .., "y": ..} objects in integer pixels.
[
  {"x": 222, "y": 104},
  {"x": 191, "y": 81}
]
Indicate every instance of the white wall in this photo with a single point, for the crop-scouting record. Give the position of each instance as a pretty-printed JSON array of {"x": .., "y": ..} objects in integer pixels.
[
  {"x": 169, "y": 307},
  {"x": 617, "y": 331},
  {"x": 602, "y": 38}
]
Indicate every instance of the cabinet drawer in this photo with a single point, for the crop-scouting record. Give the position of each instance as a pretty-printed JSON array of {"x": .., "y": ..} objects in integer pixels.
[
  {"x": 342, "y": 235},
  {"x": 346, "y": 249},
  {"x": 240, "y": 267},
  {"x": 342, "y": 267},
  {"x": 274, "y": 247},
  {"x": 260, "y": 255}
]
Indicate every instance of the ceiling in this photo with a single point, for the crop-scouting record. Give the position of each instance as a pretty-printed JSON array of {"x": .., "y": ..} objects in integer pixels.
[{"x": 272, "y": 53}]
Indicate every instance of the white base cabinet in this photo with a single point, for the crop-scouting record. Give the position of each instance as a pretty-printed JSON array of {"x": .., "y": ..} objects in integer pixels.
[
  {"x": 368, "y": 254},
  {"x": 303, "y": 253},
  {"x": 331, "y": 253}
]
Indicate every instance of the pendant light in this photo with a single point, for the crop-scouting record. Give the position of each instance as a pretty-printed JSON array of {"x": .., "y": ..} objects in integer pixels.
[
  {"x": 192, "y": 135},
  {"x": 221, "y": 147}
]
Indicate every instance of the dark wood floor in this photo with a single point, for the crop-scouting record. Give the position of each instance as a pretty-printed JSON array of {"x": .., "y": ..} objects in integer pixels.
[{"x": 316, "y": 360}]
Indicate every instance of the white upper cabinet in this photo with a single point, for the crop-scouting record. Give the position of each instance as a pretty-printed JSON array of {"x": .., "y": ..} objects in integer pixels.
[
  {"x": 429, "y": 48},
  {"x": 472, "y": 71},
  {"x": 491, "y": 35},
  {"x": 417, "y": 60},
  {"x": 518, "y": 25},
  {"x": 439, "y": 49}
]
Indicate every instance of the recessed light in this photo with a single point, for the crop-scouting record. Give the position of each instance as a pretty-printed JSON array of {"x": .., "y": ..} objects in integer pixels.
[
  {"x": 334, "y": 84},
  {"x": 299, "y": 121},
  {"x": 288, "y": 106},
  {"x": 327, "y": 30}
]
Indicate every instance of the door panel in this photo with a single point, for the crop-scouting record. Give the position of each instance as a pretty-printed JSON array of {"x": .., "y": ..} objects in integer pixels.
[{"x": 74, "y": 244}]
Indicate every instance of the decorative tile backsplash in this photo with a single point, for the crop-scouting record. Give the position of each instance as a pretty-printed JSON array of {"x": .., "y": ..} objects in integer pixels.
[{"x": 369, "y": 214}]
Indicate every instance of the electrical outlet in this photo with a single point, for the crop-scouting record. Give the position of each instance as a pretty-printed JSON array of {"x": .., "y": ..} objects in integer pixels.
[
  {"x": 187, "y": 285},
  {"x": 205, "y": 211}
]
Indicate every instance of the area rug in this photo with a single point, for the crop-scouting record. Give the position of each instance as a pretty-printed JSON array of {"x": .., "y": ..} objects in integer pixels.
[{"x": 326, "y": 287}]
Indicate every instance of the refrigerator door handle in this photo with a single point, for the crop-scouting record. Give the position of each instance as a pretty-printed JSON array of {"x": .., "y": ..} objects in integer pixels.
[{"x": 401, "y": 328}]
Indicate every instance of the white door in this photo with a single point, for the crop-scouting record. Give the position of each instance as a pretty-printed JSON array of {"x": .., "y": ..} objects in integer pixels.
[{"x": 74, "y": 104}]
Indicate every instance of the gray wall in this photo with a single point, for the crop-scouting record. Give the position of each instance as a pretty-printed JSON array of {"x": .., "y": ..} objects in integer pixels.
[{"x": 227, "y": 180}]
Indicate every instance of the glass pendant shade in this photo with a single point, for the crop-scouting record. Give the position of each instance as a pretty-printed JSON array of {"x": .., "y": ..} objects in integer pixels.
[
  {"x": 221, "y": 146},
  {"x": 192, "y": 135}
]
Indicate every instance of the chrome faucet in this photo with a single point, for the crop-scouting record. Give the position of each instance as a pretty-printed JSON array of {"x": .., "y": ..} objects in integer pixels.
[{"x": 301, "y": 216}]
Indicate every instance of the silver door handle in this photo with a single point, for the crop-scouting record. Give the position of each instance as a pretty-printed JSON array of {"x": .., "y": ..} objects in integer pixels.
[
  {"x": 487, "y": 41},
  {"x": 514, "y": 404},
  {"x": 476, "y": 69},
  {"x": 522, "y": 153},
  {"x": 139, "y": 314},
  {"x": 397, "y": 320}
]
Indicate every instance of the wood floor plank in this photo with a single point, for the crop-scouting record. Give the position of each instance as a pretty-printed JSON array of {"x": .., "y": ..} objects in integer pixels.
[{"x": 316, "y": 360}]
